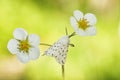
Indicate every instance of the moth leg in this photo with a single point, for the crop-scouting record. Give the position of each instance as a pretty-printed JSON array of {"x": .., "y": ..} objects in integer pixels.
[
  {"x": 72, "y": 45},
  {"x": 43, "y": 54},
  {"x": 45, "y": 44}
]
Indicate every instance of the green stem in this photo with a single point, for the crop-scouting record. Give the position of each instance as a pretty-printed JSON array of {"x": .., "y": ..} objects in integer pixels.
[{"x": 63, "y": 72}]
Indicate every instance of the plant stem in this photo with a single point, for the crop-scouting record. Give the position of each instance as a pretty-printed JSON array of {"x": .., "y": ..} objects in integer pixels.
[
  {"x": 63, "y": 72},
  {"x": 45, "y": 44}
]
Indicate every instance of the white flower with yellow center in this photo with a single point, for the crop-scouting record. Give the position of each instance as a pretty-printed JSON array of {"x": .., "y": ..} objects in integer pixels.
[
  {"x": 83, "y": 24},
  {"x": 24, "y": 46}
]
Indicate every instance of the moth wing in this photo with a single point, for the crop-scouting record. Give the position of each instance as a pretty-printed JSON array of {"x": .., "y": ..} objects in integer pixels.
[
  {"x": 53, "y": 50},
  {"x": 62, "y": 54},
  {"x": 59, "y": 50}
]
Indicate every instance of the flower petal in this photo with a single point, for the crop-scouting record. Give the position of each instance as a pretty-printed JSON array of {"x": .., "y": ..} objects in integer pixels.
[
  {"x": 80, "y": 32},
  {"x": 90, "y": 18},
  {"x": 20, "y": 34},
  {"x": 23, "y": 57},
  {"x": 34, "y": 53},
  {"x": 34, "y": 40},
  {"x": 74, "y": 23},
  {"x": 78, "y": 14},
  {"x": 76, "y": 28},
  {"x": 13, "y": 46},
  {"x": 91, "y": 31}
]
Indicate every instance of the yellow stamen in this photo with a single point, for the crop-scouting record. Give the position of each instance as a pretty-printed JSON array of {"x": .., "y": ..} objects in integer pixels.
[
  {"x": 83, "y": 23},
  {"x": 24, "y": 46}
]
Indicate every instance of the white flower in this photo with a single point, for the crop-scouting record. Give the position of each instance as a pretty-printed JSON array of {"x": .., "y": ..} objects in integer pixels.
[
  {"x": 24, "y": 46},
  {"x": 83, "y": 24}
]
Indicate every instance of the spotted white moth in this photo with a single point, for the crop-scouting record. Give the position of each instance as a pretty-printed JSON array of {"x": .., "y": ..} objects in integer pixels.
[{"x": 59, "y": 50}]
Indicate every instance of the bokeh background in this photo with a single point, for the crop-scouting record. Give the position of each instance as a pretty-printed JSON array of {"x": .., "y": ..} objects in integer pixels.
[{"x": 92, "y": 58}]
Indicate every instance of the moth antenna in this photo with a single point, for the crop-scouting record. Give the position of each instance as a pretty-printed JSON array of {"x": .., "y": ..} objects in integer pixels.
[
  {"x": 66, "y": 31},
  {"x": 73, "y": 34}
]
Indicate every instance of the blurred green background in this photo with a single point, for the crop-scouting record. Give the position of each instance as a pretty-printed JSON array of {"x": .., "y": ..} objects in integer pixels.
[{"x": 92, "y": 58}]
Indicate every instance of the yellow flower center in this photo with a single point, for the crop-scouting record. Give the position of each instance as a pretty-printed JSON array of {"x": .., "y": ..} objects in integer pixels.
[
  {"x": 83, "y": 23},
  {"x": 24, "y": 46}
]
